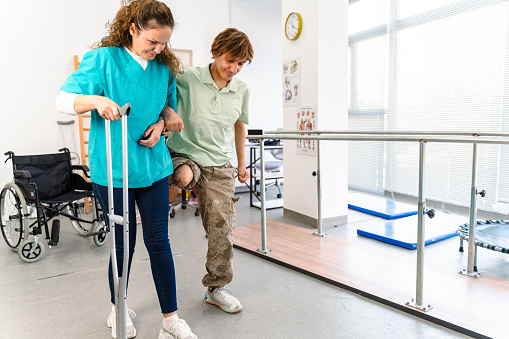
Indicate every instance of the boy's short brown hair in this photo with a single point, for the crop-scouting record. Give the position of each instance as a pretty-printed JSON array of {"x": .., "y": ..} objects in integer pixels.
[{"x": 233, "y": 42}]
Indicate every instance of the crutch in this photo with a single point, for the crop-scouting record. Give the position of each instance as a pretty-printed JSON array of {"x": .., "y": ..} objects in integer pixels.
[{"x": 120, "y": 284}]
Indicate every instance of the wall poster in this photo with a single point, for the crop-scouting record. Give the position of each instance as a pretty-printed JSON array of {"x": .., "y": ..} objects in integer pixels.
[
  {"x": 291, "y": 82},
  {"x": 306, "y": 121},
  {"x": 184, "y": 55}
]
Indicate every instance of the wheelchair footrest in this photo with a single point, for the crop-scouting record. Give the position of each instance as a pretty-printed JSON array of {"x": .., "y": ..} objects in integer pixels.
[
  {"x": 55, "y": 233},
  {"x": 96, "y": 233}
]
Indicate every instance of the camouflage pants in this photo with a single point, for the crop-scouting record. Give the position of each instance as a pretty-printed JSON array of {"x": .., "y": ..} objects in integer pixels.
[{"x": 215, "y": 187}]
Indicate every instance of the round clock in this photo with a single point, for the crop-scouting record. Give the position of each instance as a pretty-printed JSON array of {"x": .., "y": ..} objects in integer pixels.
[{"x": 293, "y": 26}]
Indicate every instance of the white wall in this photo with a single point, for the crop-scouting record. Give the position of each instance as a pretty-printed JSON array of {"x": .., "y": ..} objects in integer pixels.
[
  {"x": 38, "y": 43},
  {"x": 196, "y": 28},
  {"x": 261, "y": 21},
  {"x": 323, "y": 50}
]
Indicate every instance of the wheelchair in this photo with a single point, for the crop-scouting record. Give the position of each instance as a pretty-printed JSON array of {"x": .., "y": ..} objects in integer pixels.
[{"x": 48, "y": 185}]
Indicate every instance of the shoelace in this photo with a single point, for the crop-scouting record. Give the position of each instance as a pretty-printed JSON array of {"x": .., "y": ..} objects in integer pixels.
[
  {"x": 226, "y": 294},
  {"x": 181, "y": 330}
]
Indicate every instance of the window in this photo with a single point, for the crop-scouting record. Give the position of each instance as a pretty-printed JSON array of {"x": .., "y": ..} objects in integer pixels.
[{"x": 436, "y": 65}]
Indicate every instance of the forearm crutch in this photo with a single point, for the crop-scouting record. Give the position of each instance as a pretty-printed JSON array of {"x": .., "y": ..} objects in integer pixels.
[{"x": 119, "y": 284}]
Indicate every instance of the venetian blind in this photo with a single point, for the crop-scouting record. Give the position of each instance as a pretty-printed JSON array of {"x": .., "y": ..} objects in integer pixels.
[{"x": 435, "y": 65}]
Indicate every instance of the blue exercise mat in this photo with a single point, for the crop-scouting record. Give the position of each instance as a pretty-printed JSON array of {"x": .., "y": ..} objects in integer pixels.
[
  {"x": 380, "y": 206},
  {"x": 403, "y": 232}
]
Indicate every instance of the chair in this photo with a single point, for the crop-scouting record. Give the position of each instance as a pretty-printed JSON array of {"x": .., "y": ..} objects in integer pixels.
[
  {"x": 183, "y": 204},
  {"x": 274, "y": 168},
  {"x": 47, "y": 184}
]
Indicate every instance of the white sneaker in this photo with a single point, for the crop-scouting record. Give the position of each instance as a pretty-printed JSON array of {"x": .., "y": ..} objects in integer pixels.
[
  {"x": 223, "y": 298},
  {"x": 112, "y": 322},
  {"x": 178, "y": 330}
]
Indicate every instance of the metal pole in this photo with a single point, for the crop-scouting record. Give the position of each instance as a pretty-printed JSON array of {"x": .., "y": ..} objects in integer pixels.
[
  {"x": 113, "y": 253},
  {"x": 417, "y": 303},
  {"x": 319, "y": 191},
  {"x": 473, "y": 219},
  {"x": 119, "y": 283},
  {"x": 262, "y": 201},
  {"x": 125, "y": 192}
]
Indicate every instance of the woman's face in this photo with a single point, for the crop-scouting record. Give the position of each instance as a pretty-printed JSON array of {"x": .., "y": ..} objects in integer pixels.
[{"x": 148, "y": 43}]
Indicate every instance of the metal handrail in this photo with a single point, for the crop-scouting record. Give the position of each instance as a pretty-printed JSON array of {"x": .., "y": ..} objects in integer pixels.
[
  {"x": 394, "y": 132},
  {"x": 409, "y": 136}
]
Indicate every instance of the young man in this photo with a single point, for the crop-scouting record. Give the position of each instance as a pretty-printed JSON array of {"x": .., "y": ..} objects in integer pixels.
[{"x": 212, "y": 105}]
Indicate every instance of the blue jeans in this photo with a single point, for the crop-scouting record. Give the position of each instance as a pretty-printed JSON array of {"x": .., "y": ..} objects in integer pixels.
[{"x": 152, "y": 203}]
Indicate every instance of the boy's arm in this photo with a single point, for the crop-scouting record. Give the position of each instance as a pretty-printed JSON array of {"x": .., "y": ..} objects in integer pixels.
[
  {"x": 240, "y": 144},
  {"x": 173, "y": 122}
]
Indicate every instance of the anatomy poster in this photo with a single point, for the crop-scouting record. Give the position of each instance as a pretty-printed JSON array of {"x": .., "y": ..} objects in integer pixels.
[
  {"x": 306, "y": 121},
  {"x": 291, "y": 82}
]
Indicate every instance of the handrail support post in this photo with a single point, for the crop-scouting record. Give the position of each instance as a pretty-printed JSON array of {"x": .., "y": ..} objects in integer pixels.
[
  {"x": 469, "y": 271},
  {"x": 417, "y": 302},
  {"x": 263, "y": 208}
]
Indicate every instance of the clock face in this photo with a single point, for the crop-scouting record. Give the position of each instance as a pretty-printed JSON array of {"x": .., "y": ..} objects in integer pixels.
[{"x": 293, "y": 26}]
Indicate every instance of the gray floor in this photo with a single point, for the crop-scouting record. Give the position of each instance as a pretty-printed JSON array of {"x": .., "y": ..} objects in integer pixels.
[{"x": 65, "y": 295}]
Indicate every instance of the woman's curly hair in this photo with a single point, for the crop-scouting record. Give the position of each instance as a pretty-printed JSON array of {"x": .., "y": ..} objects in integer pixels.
[{"x": 145, "y": 14}]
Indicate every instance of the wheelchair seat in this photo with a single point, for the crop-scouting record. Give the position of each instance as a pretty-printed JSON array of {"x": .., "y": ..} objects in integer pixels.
[{"x": 48, "y": 184}]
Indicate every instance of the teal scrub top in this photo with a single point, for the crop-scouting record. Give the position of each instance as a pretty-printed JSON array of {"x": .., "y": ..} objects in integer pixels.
[{"x": 113, "y": 73}]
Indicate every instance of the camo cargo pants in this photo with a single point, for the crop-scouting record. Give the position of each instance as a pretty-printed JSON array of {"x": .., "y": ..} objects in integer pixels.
[{"x": 215, "y": 187}]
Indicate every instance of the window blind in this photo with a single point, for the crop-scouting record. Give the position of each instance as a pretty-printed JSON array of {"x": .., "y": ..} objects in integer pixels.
[{"x": 436, "y": 65}]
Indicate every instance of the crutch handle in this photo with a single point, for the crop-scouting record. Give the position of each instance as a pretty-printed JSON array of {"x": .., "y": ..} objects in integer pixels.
[{"x": 124, "y": 110}]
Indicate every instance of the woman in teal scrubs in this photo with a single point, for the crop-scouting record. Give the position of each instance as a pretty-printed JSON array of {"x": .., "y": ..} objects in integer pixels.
[{"x": 133, "y": 64}]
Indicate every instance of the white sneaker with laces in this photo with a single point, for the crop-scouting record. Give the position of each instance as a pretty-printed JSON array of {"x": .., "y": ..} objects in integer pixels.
[
  {"x": 223, "y": 298},
  {"x": 112, "y": 322},
  {"x": 178, "y": 330}
]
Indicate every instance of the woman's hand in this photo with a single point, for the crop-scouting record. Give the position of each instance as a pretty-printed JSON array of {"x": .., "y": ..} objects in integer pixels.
[
  {"x": 152, "y": 134},
  {"x": 106, "y": 107}
]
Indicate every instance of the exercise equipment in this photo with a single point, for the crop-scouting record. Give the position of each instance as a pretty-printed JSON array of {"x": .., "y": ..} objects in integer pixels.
[
  {"x": 490, "y": 234},
  {"x": 403, "y": 232},
  {"x": 379, "y": 206}
]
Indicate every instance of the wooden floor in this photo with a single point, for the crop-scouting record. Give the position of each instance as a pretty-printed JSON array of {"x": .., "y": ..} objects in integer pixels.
[{"x": 474, "y": 306}]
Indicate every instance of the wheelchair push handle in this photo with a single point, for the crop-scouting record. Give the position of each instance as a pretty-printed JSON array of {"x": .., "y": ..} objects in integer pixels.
[{"x": 9, "y": 155}]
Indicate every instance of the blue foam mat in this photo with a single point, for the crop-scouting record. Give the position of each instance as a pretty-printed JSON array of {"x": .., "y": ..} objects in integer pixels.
[
  {"x": 403, "y": 232},
  {"x": 380, "y": 206}
]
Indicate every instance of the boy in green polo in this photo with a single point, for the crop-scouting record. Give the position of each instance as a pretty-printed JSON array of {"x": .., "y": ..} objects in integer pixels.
[{"x": 212, "y": 105}]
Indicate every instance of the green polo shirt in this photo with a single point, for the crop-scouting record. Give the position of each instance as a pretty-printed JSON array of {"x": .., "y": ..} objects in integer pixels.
[{"x": 209, "y": 115}]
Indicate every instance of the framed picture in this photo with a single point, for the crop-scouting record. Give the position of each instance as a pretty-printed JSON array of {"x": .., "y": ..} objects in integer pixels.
[{"x": 184, "y": 55}]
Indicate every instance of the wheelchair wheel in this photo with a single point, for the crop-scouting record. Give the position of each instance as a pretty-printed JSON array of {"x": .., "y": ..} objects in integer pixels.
[
  {"x": 100, "y": 239},
  {"x": 30, "y": 250},
  {"x": 77, "y": 209},
  {"x": 13, "y": 208}
]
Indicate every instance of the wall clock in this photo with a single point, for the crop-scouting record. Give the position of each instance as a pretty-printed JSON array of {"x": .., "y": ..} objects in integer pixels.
[{"x": 293, "y": 26}]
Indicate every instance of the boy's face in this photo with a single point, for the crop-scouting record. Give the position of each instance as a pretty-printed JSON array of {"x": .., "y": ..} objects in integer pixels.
[{"x": 226, "y": 66}]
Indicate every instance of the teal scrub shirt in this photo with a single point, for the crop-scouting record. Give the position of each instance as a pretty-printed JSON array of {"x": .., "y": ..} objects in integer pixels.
[
  {"x": 113, "y": 73},
  {"x": 209, "y": 116}
]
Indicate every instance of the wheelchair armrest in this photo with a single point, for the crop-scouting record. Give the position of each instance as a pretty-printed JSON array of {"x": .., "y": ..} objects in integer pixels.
[
  {"x": 83, "y": 168},
  {"x": 22, "y": 174},
  {"x": 79, "y": 183}
]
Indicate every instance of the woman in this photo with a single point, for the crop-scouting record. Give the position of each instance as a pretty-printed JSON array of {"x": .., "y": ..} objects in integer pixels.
[{"x": 133, "y": 64}]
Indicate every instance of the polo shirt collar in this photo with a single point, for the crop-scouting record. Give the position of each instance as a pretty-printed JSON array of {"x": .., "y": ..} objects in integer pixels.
[{"x": 206, "y": 78}]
